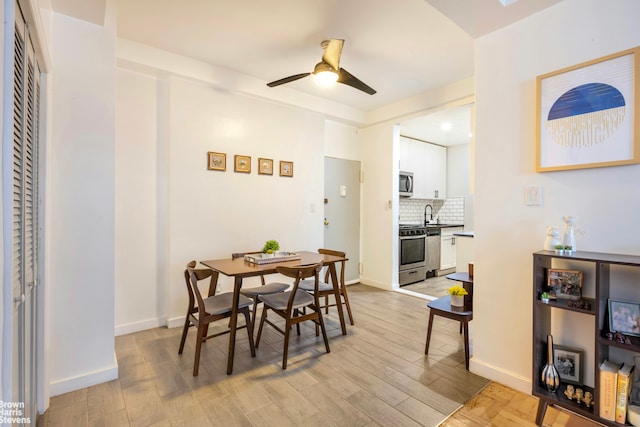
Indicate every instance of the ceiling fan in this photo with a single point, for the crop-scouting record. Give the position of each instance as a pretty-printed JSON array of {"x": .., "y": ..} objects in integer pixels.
[{"x": 329, "y": 69}]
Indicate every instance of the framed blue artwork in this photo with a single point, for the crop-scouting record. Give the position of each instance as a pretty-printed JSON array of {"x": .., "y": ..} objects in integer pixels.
[{"x": 588, "y": 114}]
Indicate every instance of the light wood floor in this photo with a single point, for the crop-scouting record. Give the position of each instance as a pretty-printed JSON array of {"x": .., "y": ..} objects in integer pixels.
[
  {"x": 498, "y": 405},
  {"x": 434, "y": 286},
  {"x": 376, "y": 375}
]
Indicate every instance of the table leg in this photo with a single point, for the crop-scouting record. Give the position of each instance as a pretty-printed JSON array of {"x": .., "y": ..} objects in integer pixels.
[
  {"x": 336, "y": 291},
  {"x": 233, "y": 323}
]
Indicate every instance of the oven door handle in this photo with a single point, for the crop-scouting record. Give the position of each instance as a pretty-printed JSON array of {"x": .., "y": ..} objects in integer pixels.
[{"x": 422, "y": 236}]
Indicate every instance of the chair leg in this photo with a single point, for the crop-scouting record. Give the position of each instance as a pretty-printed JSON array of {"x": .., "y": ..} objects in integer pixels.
[
  {"x": 249, "y": 323},
  {"x": 426, "y": 347},
  {"x": 326, "y": 303},
  {"x": 185, "y": 330},
  {"x": 285, "y": 352},
  {"x": 199, "y": 339},
  {"x": 346, "y": 303},
  {"x": 262, "y": 318},
  {"x": 296, "y": 313},
  {"x": 255, "y": 309},
  {"x": 324, "y": 330},
  {"x": 466, "y": 343}
]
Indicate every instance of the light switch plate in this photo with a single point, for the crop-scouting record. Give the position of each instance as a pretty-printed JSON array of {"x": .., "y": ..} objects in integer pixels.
[{"x": 533, "y": 196}]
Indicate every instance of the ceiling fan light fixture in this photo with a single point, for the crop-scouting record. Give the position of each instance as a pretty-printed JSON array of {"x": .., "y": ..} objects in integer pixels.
[{"x": 324, "y": 74}]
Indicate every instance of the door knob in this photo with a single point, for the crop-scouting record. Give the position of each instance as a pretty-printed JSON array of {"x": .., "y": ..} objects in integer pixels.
[{"x": 326, "y": 221}]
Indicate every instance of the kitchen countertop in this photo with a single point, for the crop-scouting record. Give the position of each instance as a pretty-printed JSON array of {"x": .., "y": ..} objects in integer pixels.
[{"x": 444, "y": 225}]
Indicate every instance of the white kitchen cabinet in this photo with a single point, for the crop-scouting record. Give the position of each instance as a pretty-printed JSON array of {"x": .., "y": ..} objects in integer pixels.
[
  {"x": 428, "y": 162},
  {"x": 436, "y": 171},
  {"x": 448, "y": 247},
  {"x": 405, "y": 154}
]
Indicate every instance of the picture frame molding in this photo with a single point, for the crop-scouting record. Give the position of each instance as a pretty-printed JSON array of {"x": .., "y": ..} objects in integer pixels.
[
  {"x": 568, "y": 274},
  {"x": 560, "y": 351},
  {"x": 286, "y": 168},
  {"x": 265, "y": 166},
  {"x": 211, "y": 156},
  {"x": 566, "y": 77},
  {"x": 613, "y": 326},
  {"x": 239, "y": 167}
]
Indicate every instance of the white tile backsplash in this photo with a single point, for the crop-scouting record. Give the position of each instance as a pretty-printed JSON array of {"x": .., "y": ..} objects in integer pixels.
[{"x": 450, "y": 211}]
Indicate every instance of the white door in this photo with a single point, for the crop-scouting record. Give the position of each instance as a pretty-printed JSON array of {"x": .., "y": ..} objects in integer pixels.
[
  {"x": 342, "y": 211},
  {"x": 24, "y": 231}
]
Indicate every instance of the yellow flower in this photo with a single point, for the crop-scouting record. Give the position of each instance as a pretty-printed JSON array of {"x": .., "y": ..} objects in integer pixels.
[{"x": 457, "y": 290}]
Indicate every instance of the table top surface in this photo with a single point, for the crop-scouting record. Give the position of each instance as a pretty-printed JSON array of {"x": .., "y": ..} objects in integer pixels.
[
  {"x": 462, "y": 276},
  {"x": 240, "y": 267}
]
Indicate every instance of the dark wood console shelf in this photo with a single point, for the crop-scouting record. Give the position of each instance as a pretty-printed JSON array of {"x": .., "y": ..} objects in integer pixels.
[{"x": 542, "y": 326}]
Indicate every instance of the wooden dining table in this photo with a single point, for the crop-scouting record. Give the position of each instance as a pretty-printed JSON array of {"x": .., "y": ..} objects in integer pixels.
[{"x": 239, "y": 269}]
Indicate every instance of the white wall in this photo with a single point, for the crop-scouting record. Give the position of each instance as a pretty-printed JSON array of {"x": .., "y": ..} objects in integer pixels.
[
  {"x": 605, "y": 200},
  {"x": 139, "y": 302},
  {"x": 380, "y": 153},
  {"x": 170, "y": 209},
  {"x": 81, "y": 201},
  {"x": 341, "y": 141}
]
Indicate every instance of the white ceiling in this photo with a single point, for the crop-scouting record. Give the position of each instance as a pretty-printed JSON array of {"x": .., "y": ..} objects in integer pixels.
[{"x": 400, "y": 48}]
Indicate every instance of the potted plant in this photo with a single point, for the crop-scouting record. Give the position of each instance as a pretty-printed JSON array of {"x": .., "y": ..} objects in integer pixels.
[
  {"x": 560, "y": 249},
  {"x": 544, "y": 297},
  {"x": 568, "y": 250},
  {"x": 271, "y": 247},
  {"x": 457, "y": 293}
]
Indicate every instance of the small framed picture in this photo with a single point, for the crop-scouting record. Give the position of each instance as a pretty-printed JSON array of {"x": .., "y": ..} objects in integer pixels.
[
  {"x": 568, "y": 362},
  {"x": 242, "y": 164},
  {"x": 286, "y": 168},
  {"x": 216, "y": 161},
  {"x": 565, "y": 284},
  {"x": 265, "y": 166},
  {"x": 624, "y": 317}
]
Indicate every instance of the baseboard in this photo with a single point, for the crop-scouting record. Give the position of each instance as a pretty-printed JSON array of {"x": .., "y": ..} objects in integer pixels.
[
  {"x": 376, "y": 284},
  {"x": 175, "y": 322},
  {"x": 87, "y": 380},
  {"x": 137, "y": 326},
  {"x": 499, "y": 375}
]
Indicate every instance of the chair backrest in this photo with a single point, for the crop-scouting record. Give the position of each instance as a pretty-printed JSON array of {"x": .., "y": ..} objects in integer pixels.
[
  {"x": 192, "y": 277},
  {"x": 299, "y": 273},
  {"x": 340, "y": 270}
]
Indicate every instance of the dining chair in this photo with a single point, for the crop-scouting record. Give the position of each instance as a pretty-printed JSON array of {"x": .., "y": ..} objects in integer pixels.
[
  {"x": 442, "y": 307},
  {"x": 290, "y": 305},
  {"x": 325, "y": 287},
  {"x": 264, "y": 289},
  {"x": 202, "y": 311}
]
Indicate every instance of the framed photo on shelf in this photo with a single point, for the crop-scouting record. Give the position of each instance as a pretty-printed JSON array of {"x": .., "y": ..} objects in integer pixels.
[
  {"x": 216, "y": 161},
  {"x": 624, "y": 317},
  {"x": 565, "y": 284},
  {"x": 265, "y": 166},
  {"x": 242, "y": 164},
  {"x": 286, "y": 168},
  {"x": 587, "y": 114},
  {"x": 568, "y": 362}
]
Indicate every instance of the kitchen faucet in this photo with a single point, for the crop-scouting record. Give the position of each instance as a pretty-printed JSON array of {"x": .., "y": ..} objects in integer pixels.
[{"x": 430, "y": 214}]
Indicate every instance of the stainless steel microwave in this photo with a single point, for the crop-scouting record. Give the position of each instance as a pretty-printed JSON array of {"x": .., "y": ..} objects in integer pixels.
[{"x": 406, "y": 184}]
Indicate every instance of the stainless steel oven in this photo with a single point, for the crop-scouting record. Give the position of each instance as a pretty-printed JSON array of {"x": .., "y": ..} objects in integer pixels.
[{"x": 412, "y": 254}]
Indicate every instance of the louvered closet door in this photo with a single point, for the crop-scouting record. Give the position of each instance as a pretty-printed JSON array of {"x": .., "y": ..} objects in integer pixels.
[{"x": 25, "y": 226}]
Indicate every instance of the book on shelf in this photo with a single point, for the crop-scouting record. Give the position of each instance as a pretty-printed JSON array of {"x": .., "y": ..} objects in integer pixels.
[
  {"x": 608, "y": 389},
  {"x": 625, "y": 381}
]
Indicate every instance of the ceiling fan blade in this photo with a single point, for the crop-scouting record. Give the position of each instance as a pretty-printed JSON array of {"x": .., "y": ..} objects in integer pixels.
[
  {"x": 287, "y": 79},
  {"x": 348, "y": 79},
  {"x": 332, "y": 53}
]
